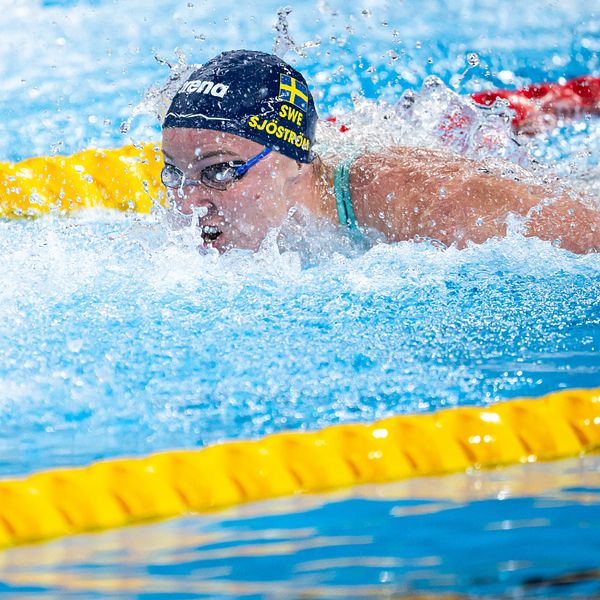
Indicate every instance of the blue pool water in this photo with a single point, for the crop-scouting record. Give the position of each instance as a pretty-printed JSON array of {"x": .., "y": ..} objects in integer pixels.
[
  {"x": 483, "y": 535},
  {"x": 117, "y": 337}
]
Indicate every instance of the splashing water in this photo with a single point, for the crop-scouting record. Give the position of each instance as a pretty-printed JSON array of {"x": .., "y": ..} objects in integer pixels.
[
  {"x": 118, "y": 336},
  {"x": 124, "y": 339},
  {"x": 435, "y": 117},
  {"x": 284, "y": 41}
]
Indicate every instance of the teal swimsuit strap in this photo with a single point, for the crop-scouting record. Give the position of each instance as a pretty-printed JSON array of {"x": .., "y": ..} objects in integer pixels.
[{"x": 341, "y": 185}]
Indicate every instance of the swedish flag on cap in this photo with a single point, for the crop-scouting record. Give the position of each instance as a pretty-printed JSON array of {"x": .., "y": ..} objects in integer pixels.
[{"x": 293, "y": 91}]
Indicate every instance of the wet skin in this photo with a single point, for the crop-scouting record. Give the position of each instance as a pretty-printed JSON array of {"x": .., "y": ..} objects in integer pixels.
[
  {"x": 404, "y": 193},
  {"x": 260, "y": 200},
  {"x": 412, "y": 192}
]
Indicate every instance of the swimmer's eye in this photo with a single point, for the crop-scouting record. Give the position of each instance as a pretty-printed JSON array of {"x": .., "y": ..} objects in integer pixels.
[
  {"x": 221, "y": 175},
  {"x": 218, "y": 176}
]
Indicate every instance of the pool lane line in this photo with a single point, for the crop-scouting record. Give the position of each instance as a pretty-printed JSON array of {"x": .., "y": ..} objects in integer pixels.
[
  {"x": 125, "y": 179},
  {"x": 119, "y": 492}
]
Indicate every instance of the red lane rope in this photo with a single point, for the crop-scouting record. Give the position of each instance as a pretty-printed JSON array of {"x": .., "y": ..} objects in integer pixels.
[
  {"x": 579, "y": 95},
  {"x": 576, "y": 96}
]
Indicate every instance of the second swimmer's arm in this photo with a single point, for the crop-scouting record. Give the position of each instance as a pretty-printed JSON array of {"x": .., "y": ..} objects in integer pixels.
[{"x": 412, "y": 192}]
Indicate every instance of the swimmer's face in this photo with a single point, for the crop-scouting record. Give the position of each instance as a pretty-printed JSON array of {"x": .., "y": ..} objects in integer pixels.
[{"x": 241, "y": 215}]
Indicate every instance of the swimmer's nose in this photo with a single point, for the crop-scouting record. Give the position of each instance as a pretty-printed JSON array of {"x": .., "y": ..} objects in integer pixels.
[{"x": 200, "y": 206}]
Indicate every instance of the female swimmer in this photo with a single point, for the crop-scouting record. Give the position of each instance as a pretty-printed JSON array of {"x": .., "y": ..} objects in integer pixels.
[{"x": 238, "y": 143}]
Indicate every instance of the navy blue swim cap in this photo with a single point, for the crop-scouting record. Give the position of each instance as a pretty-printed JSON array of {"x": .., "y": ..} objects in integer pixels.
[{"x": 254, "y": 95}]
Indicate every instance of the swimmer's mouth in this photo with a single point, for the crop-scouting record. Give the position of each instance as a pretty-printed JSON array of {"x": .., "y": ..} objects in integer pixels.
[{"x": 210, "y": 233}]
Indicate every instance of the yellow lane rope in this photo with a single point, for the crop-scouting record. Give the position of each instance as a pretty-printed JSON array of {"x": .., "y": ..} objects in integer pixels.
[
  {"x": 114, "y": 493},
  {"x": 127, "y": 178}
]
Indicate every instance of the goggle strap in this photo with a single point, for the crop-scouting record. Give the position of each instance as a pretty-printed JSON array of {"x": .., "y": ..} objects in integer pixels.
[{"x": 251, "y": 162}]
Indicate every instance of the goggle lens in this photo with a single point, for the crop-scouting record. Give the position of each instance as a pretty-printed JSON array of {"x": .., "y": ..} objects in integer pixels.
[
  {"x": 221, "y": 175},
  {"x": 171, "y": 176}
]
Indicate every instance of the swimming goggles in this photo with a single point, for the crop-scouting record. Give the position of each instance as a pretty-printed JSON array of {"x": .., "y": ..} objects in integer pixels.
[{"x": 219, "y": 176}]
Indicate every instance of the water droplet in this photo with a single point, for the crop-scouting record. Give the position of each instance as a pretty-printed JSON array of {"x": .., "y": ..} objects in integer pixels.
[
  {"x": 74, "y": 345},
  {"x": 432, "y": 83},
  {"x": 473, "y": 59},
  {"x": 407, "y": 99}
]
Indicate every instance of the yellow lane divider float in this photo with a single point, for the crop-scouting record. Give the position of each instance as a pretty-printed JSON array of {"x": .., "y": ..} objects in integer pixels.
[
  {"x": 114, "y": 493},
  {"x": 126, "y": 179}
]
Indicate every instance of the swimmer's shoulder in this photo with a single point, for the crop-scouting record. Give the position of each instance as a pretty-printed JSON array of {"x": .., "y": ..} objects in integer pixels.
[
  {"x": 393, "y": 189},
  {"x": 378, "y": 181},
  {"x": 380, "y": 171},
  {"x": 401, "y": 167}
]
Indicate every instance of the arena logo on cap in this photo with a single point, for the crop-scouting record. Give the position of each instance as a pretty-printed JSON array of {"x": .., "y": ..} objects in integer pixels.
[
  {"x": 291, "y": 90},
  {"x": 205, "y": 87}
]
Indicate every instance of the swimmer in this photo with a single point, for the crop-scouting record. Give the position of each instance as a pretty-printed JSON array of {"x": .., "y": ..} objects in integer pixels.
[{"x": 238, "y": 144}]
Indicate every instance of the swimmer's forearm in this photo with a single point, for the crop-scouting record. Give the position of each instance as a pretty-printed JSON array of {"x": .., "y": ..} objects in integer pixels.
[
  {"x": 545, "y": 213},
  {"x": 487, "y": 203},
  {"x": 568, "y": 222}
]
